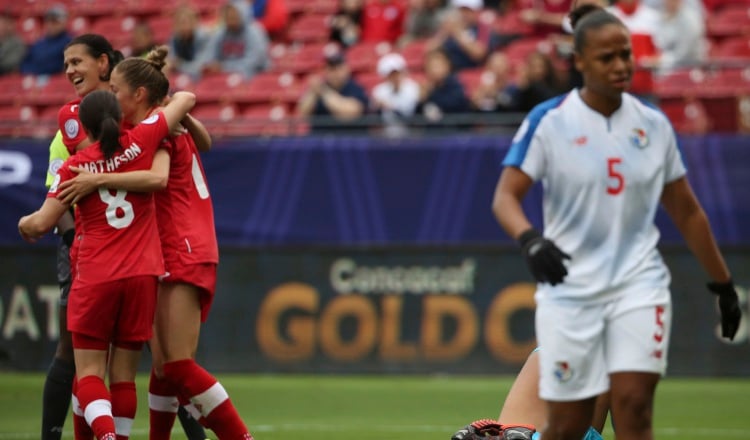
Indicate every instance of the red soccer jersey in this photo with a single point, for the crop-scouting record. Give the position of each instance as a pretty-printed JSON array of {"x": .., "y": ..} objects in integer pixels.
[
  {"x": 184, "y": 210},
  {"x": 117, "y": 231},
  {"x": 70, "y": 126}
]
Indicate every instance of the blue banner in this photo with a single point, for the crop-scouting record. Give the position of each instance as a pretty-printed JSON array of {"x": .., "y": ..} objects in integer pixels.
[{"x": 374, "y": 191}]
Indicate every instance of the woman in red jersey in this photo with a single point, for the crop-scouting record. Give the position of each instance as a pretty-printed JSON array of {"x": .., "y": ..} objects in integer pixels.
[
  {"x": 88, "y": 61},
  {"x": 186, "y": 229},
  {"x": 119, "y": 259}
]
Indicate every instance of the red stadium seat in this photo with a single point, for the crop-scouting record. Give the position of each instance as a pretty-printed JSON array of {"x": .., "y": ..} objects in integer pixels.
[
  {"x": 470, "y": 79},
  {"x": 310, "y": 28},
  {"x": 732, "y": 50},
  {"x": 17, "y": 121},
  {"x": 687, "y": 117},
  {"x": 215, "y": 117},
  {"x": 510, "y": 23},
  {"x": 414, "y": 52},
  {"x": 729, "y": 21},
  {"x": 218, "y": 87},
  {"x": 300, "y": 59},
  {"x": 369, "y": 80},
  {"x": 263, "y": 120},
  {"x": 265, "y": 87},
  {"x": 13, "y": 87},
  {"x": 364, "y": 57},
  {"x": 675, "y": 84},
  {"x": 52, "y": 90},
  {"x": 161, "y": 27},
  {"x": 29, "y": 29},
  {"x": 518, "y": 50}
]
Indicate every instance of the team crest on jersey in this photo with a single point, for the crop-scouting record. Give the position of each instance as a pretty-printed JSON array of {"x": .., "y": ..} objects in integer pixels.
[
  {"x": 563, "y": 372},
  {"x": 54, "y": 166},
  {"x": 150, "y": 119},
  {"x": 639, "y": 138},
  {"x": 71, "y": 128}
]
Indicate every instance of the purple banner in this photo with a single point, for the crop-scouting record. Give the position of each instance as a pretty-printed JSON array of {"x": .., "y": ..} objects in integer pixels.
[{"x": 372, "y": 191}]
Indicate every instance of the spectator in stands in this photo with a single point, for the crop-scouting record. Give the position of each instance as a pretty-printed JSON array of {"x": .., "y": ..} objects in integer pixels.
[
  {"x": 188, "y": 47},
  {"x": 422, "y": 19},
  {"x": 496, "y": 91},
  {"x": 273, "y": 15},
  {"x": 441, "y": 90},
  {"x": 45, "y": 56},
  {"x": 238, "y": 45},
  {"x": 463, "y": 37},
  {"x": 345, "y": 24},
  {"x": 642, "y": 21},
  {"x": 538, "y": 81},
  {"x": 12, "y": 47},
  {"x": 383, "y": 20},
  {"x": 546, "y": 16},
  {"x": 335, "y": 100},
  {"x": 680, "y": 36},
  {"x": 142, "y": 40},
  {"x": 396, "y": 98}
]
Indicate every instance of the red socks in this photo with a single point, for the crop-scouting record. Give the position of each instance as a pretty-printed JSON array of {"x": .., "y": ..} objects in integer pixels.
[
  {"x": 162, "y": 408},
  {"x": 97, "y": 408},
  {"x": 81, "y": 429},
  {"x": 124, "y": 405},
  {"x": 209, "y": 397}
]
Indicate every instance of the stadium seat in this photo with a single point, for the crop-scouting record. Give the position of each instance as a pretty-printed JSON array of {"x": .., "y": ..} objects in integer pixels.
[
  {"x": 300, "y": 59},
  {"x": 369, "y": 80},
  {"x": 687, "y": 117},
  {"x": 218, "y": 87},
  {"x": 95, "y": 9},
  {"x": 162, "y": 27},
  {"x": 675, "y": 84},
  {"x": 13, "y": 87},
  {"x": 215, "y": 117},
  {"x": 263, "y": 120},
  {"x": 731, "y": 20},
  {"x": 732, "y": 51},
  {"x": 29, "y": 29},
  {"x": 264, "y": 87},
  {"x": 510, "y": 23},
  {"x": 17, "y": 121},
  {"x": 414, "y": 52},
  {"x": 364, "y": 57},
  {"x": 310, "y": 28},
  {"x": 117, "y": 29},
  {"x": 49, "y": 90},
  {"x": 470, "y": 79},
  {"x": 518, "y": 50}
]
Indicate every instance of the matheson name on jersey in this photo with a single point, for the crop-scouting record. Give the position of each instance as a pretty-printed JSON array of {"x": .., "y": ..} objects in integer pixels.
[{"x": 112, "y": 164}]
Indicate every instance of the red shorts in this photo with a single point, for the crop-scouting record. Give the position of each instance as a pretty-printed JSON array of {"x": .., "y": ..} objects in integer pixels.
[
  {"x": 200, "y": 275},
  {"x": 116, "y": 311}
]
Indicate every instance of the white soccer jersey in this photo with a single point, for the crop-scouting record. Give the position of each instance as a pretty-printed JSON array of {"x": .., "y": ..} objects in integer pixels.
[{"x": 603, "y": 179}]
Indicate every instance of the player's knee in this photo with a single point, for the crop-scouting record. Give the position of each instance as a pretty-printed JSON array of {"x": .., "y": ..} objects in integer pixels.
[{"x": 634, "y": 408}]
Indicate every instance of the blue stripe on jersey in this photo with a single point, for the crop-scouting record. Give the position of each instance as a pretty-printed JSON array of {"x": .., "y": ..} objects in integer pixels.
[{"x": 520, "y": 146}]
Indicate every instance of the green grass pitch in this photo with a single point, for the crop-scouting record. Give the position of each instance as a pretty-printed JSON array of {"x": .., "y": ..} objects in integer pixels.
[{"x": 277, "y": 407}]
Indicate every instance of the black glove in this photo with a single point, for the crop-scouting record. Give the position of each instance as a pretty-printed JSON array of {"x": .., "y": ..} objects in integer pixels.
[
  {"x": 68, "y": 237},
  {"x": 485, "y": 429},
  {"x": 544, "y": 258},
  {"x": 729, "y": 306}
]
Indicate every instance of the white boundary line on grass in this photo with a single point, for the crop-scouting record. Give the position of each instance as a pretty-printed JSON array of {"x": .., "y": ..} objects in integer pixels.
[{"x": 319, "y": 427}]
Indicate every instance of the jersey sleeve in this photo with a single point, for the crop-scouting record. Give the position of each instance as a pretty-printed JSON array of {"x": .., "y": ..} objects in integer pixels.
[
  {"x": 58, "y": 154},
  {"x": 151, "y": 132},
  {"x": 674, "y": 166},
  {"x": 70, "y": 126},
  {"x": 62, "y": 175},
  {"x": 527, "y": 149}
]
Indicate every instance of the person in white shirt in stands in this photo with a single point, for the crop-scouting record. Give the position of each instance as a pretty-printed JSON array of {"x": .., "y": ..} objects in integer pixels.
[
  {"x": 606, "y": 161},
  {"x": 396, "y": 98}
]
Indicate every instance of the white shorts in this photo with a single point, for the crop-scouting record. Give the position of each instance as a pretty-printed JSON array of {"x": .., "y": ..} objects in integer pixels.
[{"x": 583, "y": 344}]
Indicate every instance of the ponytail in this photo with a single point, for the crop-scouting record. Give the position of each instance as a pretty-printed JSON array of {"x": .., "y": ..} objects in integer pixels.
[
  {"x": 100, "y": 115},
  {"x": 109, "y": 136}
]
